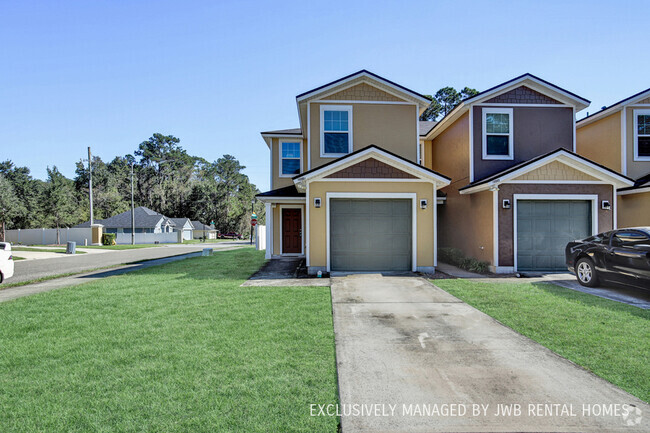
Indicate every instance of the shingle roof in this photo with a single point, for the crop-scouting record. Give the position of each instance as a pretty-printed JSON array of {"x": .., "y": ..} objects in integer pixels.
[
  {"x": 642, "y": 182},
  {"x": 287, "y": 191},
  {"x": 198, "y": 225},
  {"x": 426, "y": 126},
  {"x": 292, "y": 131},
  {"x": 180, "y": 222},
  {"x": 144, "y": 218}
]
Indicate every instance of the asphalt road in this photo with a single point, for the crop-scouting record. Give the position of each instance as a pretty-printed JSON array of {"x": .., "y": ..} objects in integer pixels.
[{"x": 33, "y": 269}]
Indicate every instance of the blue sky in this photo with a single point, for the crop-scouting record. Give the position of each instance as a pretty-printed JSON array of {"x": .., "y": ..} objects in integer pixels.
[{"x": 108, "y": 74}]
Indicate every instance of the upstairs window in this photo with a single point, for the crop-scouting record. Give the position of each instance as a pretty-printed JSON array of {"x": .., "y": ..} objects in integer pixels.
[
  {"x": 497, "y": 133},
  {"x": 289, "y": 158},
  {"x": 642, "y": 135},
  {"x": 336, "y": 125}
]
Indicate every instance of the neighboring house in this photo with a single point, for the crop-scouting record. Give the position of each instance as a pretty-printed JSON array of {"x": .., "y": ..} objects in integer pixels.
[
  {"x": 204, "y": 231},
  {"x": 618, "y": 137},
  {"x": 519, "y": 191},
  {"x": 184, "y": 225},
  {"x": 347, "y": 188},
  {"x": 146, "y": 221}
]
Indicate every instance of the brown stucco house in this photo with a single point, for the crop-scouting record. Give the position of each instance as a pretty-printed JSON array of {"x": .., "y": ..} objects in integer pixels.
[
  {"x": 618, "y": 137},
  {"x": 519, "y": 192},
  {"x": 363, "y": 185}
]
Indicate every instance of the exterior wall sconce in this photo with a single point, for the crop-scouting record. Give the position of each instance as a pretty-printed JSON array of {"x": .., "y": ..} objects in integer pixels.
[
  {"x": 423, "y": 203},
  {"x": 606, "y": 205},
  {"x": 316, "y": 202},
  {"x": 506, "y": 204}
]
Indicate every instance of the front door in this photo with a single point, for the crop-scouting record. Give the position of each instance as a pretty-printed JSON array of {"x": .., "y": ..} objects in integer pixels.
[{"x": 291, "y": 231}]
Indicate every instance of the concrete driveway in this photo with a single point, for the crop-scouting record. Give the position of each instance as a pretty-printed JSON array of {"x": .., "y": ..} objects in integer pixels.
[{"x": 421, "y": 360}]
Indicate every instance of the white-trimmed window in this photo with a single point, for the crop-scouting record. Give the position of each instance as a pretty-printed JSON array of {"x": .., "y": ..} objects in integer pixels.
[
  {"x": 336, "y": 130},
  {"x": 497, "y": 133},
  {"x": 642, "y": 135},
  {"x": 290, "y": 158}
]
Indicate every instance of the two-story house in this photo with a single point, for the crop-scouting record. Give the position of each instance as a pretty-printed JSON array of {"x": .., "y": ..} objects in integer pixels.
[
  {"x": 347, "y": 189},
  {"x": 362, "y": 176},
  {"x": 519, "y": 191},
  {"x": 618, "y": 137}
]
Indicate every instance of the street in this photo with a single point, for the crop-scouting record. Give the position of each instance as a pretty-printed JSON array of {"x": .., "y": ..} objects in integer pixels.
[{"x": 26, "y": 270}]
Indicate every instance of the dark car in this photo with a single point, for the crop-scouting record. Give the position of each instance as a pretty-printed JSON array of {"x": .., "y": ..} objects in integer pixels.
[
  {"x": 231, "y": 235},
  {"x": 620, "y": 256}
]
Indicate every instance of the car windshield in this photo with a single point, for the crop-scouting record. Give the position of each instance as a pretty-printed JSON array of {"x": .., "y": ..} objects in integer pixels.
[{"x": 599, "y": 238}]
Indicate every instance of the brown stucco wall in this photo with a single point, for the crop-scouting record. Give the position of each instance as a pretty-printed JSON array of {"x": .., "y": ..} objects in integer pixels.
[
  {"x": 281, "y": 182},
  {"x": 634, "y": 210},
  {"x": 537, "y": 130},
  {"x": 506, "y": 216},
  {"x": 450, "y": 152},
  {"x": 600, "y": 141},
  {"x": 389, "y": 126}
]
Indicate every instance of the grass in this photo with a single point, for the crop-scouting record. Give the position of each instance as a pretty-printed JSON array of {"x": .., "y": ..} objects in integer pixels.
[
  {"x": 44, "y": 250},
  {"x": 174, "y": 348},
  {"x": 608, "y": 338}
]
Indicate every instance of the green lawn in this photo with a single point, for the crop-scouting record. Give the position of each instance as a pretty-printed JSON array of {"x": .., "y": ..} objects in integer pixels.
[
  {"x": 174, "y": 348},
  {"x": 608, "y": 338},
  {"x": 44, "y": 250}
]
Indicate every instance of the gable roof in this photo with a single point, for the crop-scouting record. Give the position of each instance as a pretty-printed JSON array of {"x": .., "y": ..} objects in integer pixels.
[
  {"x": 282, "y": 132},
  {"x": 144, "y": 218},
  {"x": 376, "y": 152},
  {"x": 426, "y": 126},
  {"x": 528, "y": 80},
  {"x": 371, "y": 77},
  {"x": 613, "y": 108},
  {"x": 181, "y": 222},
  {"x": 198, "y": 225},
  {"x": 642, "y": 184},
  {"x": 562, "y": 155}
]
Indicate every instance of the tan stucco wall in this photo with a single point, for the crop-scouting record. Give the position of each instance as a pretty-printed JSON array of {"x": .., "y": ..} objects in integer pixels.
[
  {"x": 389, "y": 126},
  {"x": 635, "y": 169},
  {"x": 428, "y": 153},
  {"x": 277, "y": 230},
  {"x": 634, "y": 210},
  {"x": 466, "y": 223},
  {"x": 556, "y": 171},
  {"x": 450, "y": 152},
  {"x": 317, "y": 217},
  {"x": 281, "y": 182},
  {"x": 601, "y": 141}
]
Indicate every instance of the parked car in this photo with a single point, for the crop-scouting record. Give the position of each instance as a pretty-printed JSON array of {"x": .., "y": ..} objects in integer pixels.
[
  {"x": 231, "y": 235},
  {"x": 620, "y": 256},
  {"x": 6, "y": 261}
]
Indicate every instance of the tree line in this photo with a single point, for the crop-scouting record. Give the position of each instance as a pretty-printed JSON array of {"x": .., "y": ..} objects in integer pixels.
[{"x": 166, "y": 179}]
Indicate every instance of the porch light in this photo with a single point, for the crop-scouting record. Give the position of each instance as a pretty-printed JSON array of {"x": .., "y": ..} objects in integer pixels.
[
  {"x": 423, "y": 203},
  {"x": 606, "y": 205},
  {"x": 317, "y": 202},
  {"x": 506, "y": 204}
]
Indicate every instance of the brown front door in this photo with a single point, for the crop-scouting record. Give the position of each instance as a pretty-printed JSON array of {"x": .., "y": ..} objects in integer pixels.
[{"x": 291, "y": 231}]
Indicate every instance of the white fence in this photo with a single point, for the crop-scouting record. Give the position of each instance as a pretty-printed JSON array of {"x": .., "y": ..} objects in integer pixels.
[
  {"x": 48, "y": 236},
  {"x": 149, "y": 238}
]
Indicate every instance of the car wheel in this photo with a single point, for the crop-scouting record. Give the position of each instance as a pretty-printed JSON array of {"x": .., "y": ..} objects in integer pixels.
[
  {"x": 586, "y": 273},
  {"x": 2, "y": 277}
]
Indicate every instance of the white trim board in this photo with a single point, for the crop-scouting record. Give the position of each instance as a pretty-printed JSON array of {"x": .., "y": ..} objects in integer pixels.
[
  {"x": 586, "y": 197},
  {"x": 634, "y": 191},
  {"x": 269, "y": 230},
  {"x": 374, "y": 195},
  {"x": 302, "y": 228},
  {"x": 511, "y": 145}
]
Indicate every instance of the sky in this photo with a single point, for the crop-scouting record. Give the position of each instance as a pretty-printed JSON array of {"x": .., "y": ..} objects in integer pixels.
[{"x": 108, "y": 74}]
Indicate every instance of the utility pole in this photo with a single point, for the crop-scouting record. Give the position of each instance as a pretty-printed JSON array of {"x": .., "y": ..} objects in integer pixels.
[
  {"x": 90, "y": 186},
  {"x": 132, "y": 210}
]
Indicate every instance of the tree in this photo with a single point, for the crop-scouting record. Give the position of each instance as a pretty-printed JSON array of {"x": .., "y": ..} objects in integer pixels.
[
  {"x": 444, "y": 101},
  {"x": 10, "y": 205},
  {"x": 29, "y": 192},
  {"x": 107, "y": 199},
  {"x": 61, "y": 200}
]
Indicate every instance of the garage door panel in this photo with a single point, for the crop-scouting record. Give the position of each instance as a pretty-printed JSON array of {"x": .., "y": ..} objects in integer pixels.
[
  {"x": 544, "y": 227},
  {"x": 370, "y": 234}
]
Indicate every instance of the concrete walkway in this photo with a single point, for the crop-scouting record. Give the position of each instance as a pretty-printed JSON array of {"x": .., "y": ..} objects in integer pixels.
[
  {"x": 406, "y": 343},
  {"x": 283, "y": 272}
]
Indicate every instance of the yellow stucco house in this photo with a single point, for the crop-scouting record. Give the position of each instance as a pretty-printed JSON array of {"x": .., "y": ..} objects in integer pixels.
[
  {"x": 618, "y": 137},
  {"x": 363, "y": 185}
]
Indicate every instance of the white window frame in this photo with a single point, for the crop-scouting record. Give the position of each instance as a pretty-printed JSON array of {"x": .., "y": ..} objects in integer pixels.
[
  {"x": 281, "y": 158},
  {"x": 494, "y": 110},
  {"x": 637, "y": 113},
  {"x": 324, "y": 108}
]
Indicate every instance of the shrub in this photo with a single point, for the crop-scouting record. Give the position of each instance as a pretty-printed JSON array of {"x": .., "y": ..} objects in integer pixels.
[
  {"x": 455, "y": 257},
  {"x": 108, "y": 239}
]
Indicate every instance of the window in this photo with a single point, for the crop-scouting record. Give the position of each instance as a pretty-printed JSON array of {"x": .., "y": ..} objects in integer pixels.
[
  {"x": 289, "y": 158},
  {"x": 497, "y": 133},
  {"x": 628, "y": 239},
  {"x": 336, "y": 125},
  {"x": 642, "y": 135}
]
